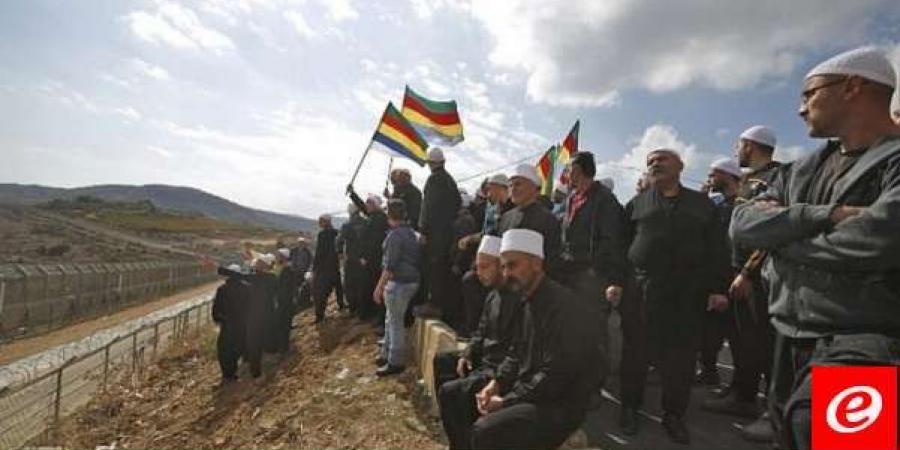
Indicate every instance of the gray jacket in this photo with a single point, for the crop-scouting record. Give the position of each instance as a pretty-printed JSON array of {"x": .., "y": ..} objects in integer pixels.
[{"x": 831, "y": 279}]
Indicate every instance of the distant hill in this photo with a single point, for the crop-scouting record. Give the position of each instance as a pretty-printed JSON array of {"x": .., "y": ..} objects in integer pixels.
[{"x": 176, "y": 198}]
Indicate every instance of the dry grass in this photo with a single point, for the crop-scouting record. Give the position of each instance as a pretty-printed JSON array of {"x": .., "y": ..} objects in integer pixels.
[{"x": 322, "y": 395}]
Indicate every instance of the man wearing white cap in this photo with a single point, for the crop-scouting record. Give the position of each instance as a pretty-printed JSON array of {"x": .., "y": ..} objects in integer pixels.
[
  {"x": 229, "y": 312},
  {"x": 529, "y": 213},
  {"x": 677, "y": 246},
  {"x": 458, "y": 377},
  {"x": 752, "y": 351},
  {"x": 830, "y": 225},
  {"x": 326, "y": 271},
  {"x": 723, "y": 180},
  {"x": 439, "y": 208},
  {"x": 539, "y": 395}
]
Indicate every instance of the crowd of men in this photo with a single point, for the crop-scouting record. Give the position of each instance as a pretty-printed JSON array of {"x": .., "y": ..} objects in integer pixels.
[{"x": 794, "y": 264}]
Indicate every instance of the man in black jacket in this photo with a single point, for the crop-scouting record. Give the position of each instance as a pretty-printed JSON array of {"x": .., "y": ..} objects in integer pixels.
[
  {"x": 458, "y": 377},
  {"x": 593, "y": 241},
  {"x": 405, "y": 190},
  {"x": 677, "y": 246},
  {"x": 439, "y": 210},
  {"x": 349, "y": 248},
  {"x": 229, "y": 312},
  {"x": 531, "y": 214},
  {"x": 370, "y": 258},
  {"x": 540, "y": 394},
  {"x": 830, "y": 226},
  {"x": 260, "y": 309},
  {"x": 285, "y": 307},
  {"x": 326, "y": 272}
]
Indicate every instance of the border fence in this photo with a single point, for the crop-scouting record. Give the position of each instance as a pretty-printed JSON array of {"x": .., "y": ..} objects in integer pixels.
[
  {"x": 37, "y": 298},
  {"x": 34, "y": 408}
]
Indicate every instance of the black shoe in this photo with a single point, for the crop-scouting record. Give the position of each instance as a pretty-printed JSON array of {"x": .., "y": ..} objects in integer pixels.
[
  {"x": 708, "y": 378},
  {"x": 628, "y": 421},
  {"x": 676, "y": 430},
  {"x": 732, "y": 405},
  {"x": 389, "y": 370},
  {"x": 381, "y": 361}
]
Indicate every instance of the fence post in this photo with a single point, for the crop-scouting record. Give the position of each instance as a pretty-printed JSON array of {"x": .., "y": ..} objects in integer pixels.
[
  {"x": 105, "y": 364},
  {"x": 56, "y": 403},
  {"x": 133, "y": 351},
  {"x": 155, "y": 338}
]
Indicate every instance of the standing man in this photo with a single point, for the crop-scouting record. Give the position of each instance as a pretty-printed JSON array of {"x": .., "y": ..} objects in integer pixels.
[
  {"x": 749, "y": 294},
  {"x": 370, "y": 259},
  {"x": 723, "y": 182},
  {"x": 830, "y": 226},
  {"x": 349, "y": 246},
  {"x": 405, "y": 190},
  {"x": 439, "y": 209},
  {"x": 326, "y": 273},
  {"x": 677, "y": 246},
  {"x": 531, "y": 214},
  {"x": 301, "y": 260},
  {"x": 229, "y": 312},
  {"x": 593, "y": 242},
  {"x": 540, "y": 394},
  {"x": 284, "y": 309}
]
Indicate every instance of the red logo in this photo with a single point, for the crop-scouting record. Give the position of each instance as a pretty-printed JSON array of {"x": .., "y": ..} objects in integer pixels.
[{"x": 854, "y": 407}]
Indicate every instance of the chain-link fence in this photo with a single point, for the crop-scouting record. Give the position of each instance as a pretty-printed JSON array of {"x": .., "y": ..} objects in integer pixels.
[
  {"x": 36, "y": 407},
  {"x": 37, "y": 298}
]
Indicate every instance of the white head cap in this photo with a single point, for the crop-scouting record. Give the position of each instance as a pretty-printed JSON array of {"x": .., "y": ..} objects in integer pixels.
[
  {"x": 234, "y": 267},
  {"x": 375, "y": 200},
  {"x": 490, "y": 245},
  {"x": 528, "y": 172},
  {"x": 435, "y": 154},
  {"x": 867, "y": 62},
  {"x": 727, "y": 165},
  {"x": 760, "y": 135},
  {"x": 466, "y": 199},
  {"x": 267, "y": 258},
  {"x": 302, "y": 239},
  {"x": 522, "y": 240},
  {"x": 284, "y": 252},
  {"x": 608, "y": 182},
  {"x": 499, "y": 179}
]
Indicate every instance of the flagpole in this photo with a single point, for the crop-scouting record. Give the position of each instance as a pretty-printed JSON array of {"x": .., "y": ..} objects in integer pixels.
[
  {"x": 390, "y": 168},
  {"x": 365, "y": 153}
]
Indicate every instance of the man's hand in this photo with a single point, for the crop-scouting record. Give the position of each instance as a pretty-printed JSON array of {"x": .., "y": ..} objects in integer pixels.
[
  {"x": 363, "y": 262},
  {"x": 614, "y": 294},
  {"x": 717, "y": 302},
  {"x": 844, "y": 212},
  {"x": 741, "y": 288},
  {"x": 378, "y": 294},
  {"x": 766, "y": 204},
  {"x": 492, "y": 404},
  {"x": 387, "y": 193},
  {"x": 463, "y": 367}
]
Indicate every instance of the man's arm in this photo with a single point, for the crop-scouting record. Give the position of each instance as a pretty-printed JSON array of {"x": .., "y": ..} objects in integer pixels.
[
  {"x": 865, "y": 242},
  {"x": 609, "y": 240}
]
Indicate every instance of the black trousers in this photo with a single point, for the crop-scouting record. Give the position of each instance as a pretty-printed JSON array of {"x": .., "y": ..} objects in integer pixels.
[
  {"x": 323, "y": 284},
  {"x": 456, "y": 399},
  {"x": 444, "y": 369},
  {"x": 255, "y": 340},
  {"x": 716, "y": 326},
  {"x": 339, "y": 291},
  {"x": 525, "y": 426},
  {"x": 790, "y": 392},
  {"x": 285, "y": 316},
  {"x": 367, "y": 308},
  {"x": 755, "y": 340},
  {"x": 473, "y": 294},
  {"x": 228, "y": 348},
  {"x": 660, "y": 323},
  {"x": 587, "y": 284}
]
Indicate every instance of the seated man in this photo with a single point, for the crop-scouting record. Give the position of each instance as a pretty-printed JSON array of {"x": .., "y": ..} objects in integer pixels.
[
  {"x": 540, "y": 393},
  {"x": 459, "y": 377}
]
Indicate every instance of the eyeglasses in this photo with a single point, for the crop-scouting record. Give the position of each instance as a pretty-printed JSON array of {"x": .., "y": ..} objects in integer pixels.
[{"x": 807, "y": 94}]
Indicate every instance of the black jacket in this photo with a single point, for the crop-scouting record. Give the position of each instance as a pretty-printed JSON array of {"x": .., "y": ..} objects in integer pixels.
[
  {"x": 538, "y": 218},
  {"x": 491, "y": 341},
  {"x": 678, "y": 237},
  {"x": 595, "y": 236},
  {"x": 373, "y": 237},
  {"x": 326, "y": 259},
  {"x": 349, "y": 239},
  {"x": 831, "y": 279},
  {"x": 229, "y": 308},
  {"x": 555, "y": 356},
  {"x": 412, "y": 198},
  {"x": 439, "y": 208}
]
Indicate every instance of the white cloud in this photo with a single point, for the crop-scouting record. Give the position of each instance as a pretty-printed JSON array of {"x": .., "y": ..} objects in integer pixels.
[
  {"x": 160, "y": 151},
  {"x": 128, "y": 113},
  {"x": 340, "y": 10},
  {"x": 176, "y": 26},
  {"x": 300, "y": 25},
  {"x": 150, "y": 70},
  {"x": 586, "y": 52}
]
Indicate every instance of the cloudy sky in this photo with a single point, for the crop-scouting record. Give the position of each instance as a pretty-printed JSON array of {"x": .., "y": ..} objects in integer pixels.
[{"x": 270, "y": 103}]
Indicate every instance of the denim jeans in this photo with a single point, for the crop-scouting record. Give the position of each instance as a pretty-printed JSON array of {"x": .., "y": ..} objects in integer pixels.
[{"x": 396, "y": 299}]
